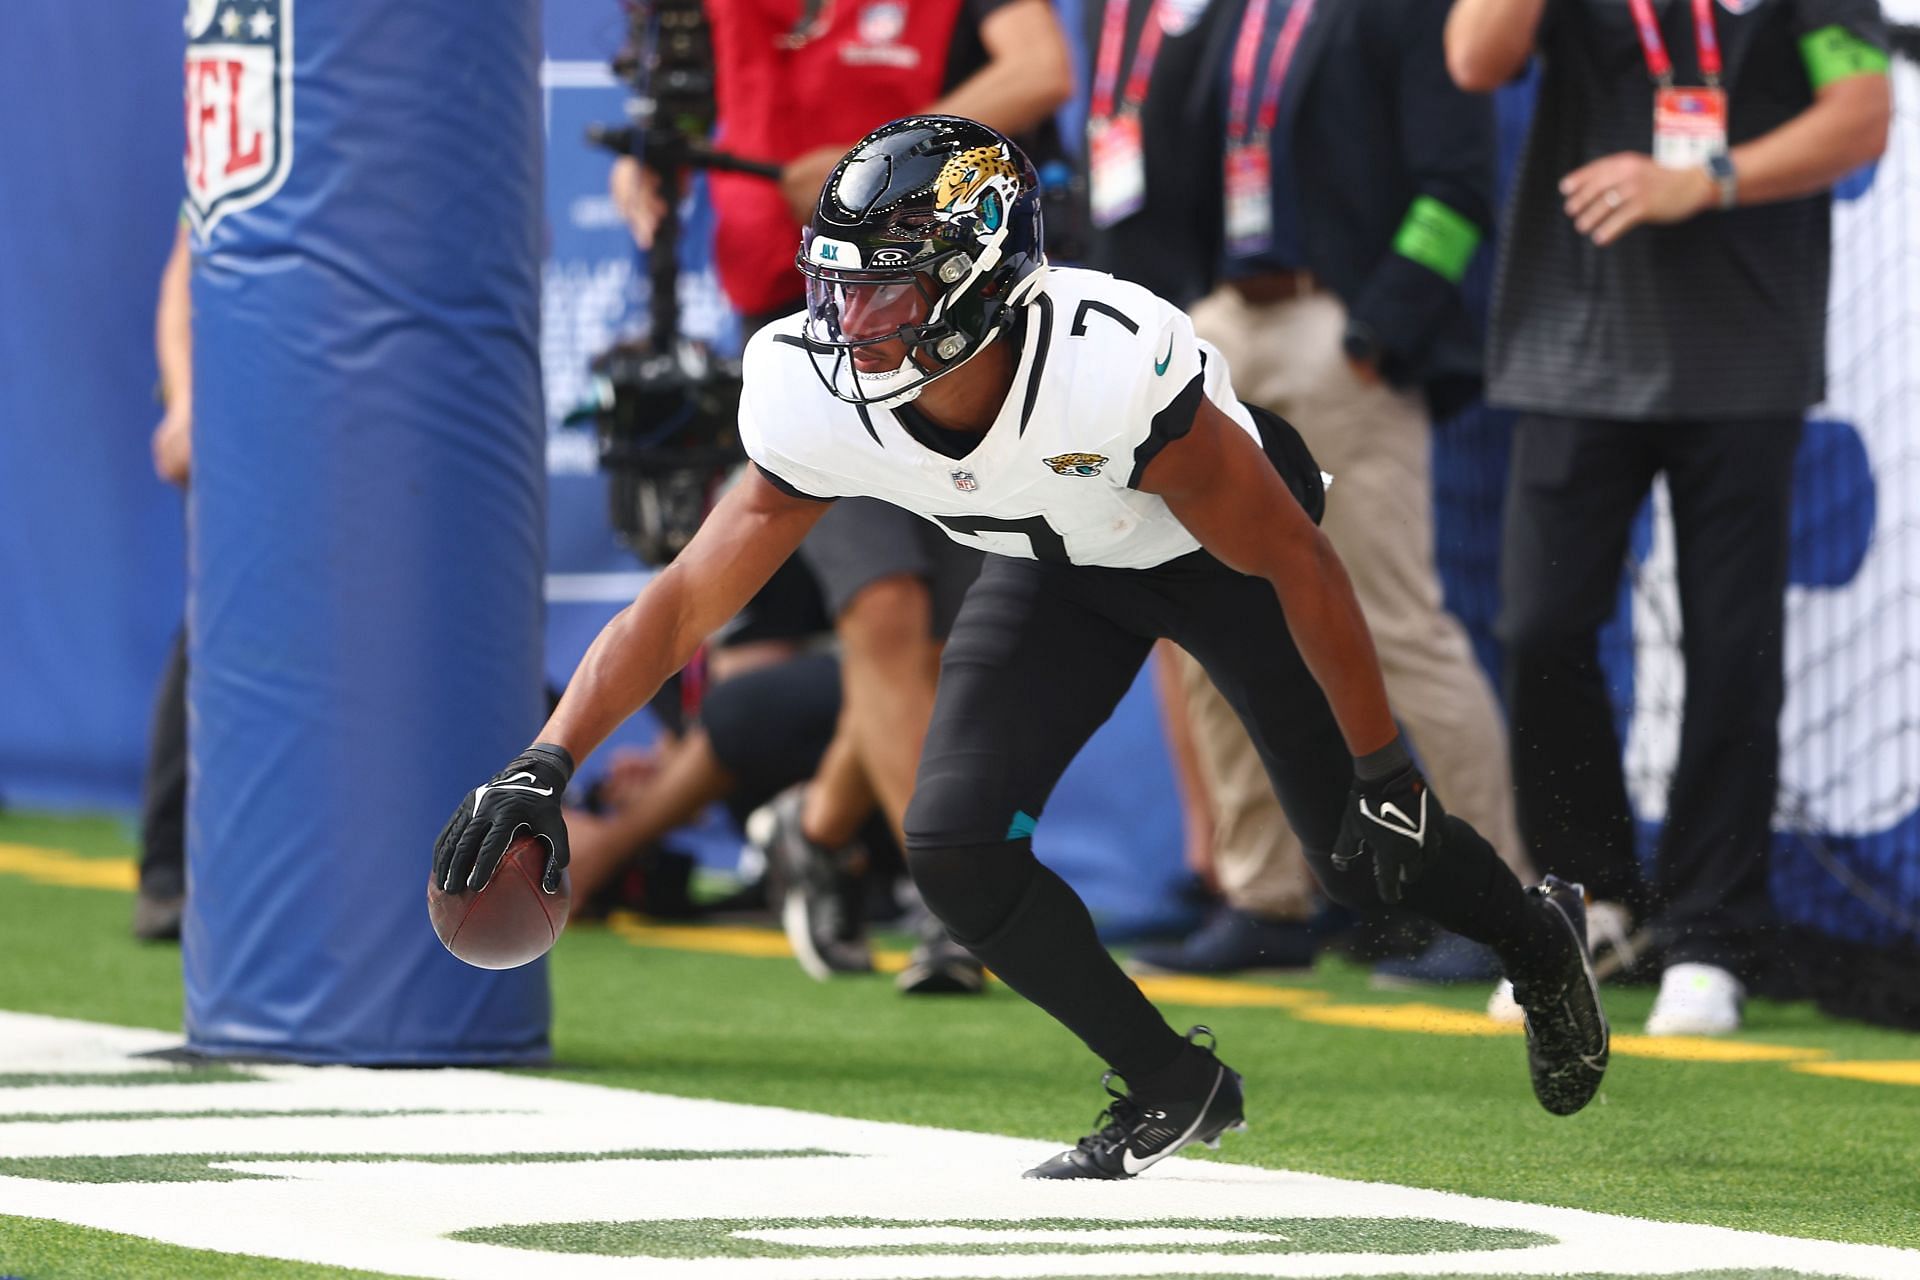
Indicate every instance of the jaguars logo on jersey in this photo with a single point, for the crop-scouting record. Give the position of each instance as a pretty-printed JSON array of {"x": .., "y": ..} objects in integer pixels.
[
  {"x": 979, "y": 180},
  {"x": 1076, "y": 464}
]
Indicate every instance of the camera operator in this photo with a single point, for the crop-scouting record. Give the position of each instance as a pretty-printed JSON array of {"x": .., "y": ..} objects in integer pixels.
[{"x": 796, "y": 83}]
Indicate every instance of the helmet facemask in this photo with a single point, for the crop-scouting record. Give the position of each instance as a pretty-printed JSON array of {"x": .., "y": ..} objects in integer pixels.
[
  {"x": 853, "y": 315},
  {"x": 927, "y": 235}
]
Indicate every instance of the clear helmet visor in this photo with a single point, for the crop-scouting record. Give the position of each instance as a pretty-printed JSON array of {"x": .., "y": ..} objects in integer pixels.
[
  {"x": 864, "y": 333},
  {"x": 845, "y": 312},
  {"x": 877, "y": 338}
]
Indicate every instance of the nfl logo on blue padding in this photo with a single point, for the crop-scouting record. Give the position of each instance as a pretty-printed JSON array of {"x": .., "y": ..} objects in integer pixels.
[{"x": 239, "y": 105}]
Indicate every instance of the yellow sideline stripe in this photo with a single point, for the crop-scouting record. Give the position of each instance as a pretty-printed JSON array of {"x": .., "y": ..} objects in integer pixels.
[
  {"x": 1222, "y": 993},
  {"x": 1711, "y": 1049},
  {"x": 68, "y": 870},
  {"x": 1430, "y": 1019},
  {"x": 1895, "y": 1072},
  {"x": 1307, "y": 1004},
  {"x": 724, "y": 940}
]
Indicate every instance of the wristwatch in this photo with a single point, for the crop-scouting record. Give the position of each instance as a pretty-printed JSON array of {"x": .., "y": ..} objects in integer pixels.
[{"x": 1725, "y": 180}]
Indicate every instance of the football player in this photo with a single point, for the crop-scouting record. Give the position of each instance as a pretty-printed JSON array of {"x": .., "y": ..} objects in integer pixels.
[{"x": 1072, "y": 426}]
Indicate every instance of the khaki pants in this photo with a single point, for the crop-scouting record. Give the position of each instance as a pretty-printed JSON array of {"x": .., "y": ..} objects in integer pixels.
[{"x": 1376, "y": 443}]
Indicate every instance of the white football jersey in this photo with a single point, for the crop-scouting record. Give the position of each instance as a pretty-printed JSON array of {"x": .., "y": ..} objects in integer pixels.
[{"x": 1107, "y": 374}]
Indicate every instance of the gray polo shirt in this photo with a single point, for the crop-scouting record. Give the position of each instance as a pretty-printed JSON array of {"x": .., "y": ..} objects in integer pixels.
[{"x": 1722, "y": 316}]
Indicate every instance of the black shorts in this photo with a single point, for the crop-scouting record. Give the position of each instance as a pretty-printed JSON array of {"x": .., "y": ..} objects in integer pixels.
[
  {"x": 770, "y": 726},
  {"x": 862, "y": 540},
  {"x": 1042, "y": 653},
  {"x": 788, "y": 607}
]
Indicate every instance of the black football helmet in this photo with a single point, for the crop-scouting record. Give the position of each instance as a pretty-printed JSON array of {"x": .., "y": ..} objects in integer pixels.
[{"x": 927, "y": 233}]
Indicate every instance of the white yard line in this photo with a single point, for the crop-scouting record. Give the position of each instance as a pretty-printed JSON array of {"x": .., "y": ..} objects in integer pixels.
[{"x": 395, "y": 1216}]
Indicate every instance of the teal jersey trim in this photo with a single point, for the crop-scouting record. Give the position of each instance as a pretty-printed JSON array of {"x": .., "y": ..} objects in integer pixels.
[{"x": 1022, "y": 825}]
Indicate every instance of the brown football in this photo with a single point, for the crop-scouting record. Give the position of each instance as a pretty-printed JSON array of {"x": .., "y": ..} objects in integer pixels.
[{"x": 510, "y": 921}]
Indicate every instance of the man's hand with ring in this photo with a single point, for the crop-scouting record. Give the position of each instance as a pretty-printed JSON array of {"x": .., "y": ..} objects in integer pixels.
[{"x": 1612, "y": 195}]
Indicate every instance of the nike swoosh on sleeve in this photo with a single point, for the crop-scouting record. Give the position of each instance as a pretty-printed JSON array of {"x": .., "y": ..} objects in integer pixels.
[{"x": 1160, "y": 365}]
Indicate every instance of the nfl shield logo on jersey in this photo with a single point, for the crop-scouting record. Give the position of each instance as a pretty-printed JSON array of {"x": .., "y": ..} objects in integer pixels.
[
  {"x": 964, "y": 481},
  {"x": 239, "y": 105}
]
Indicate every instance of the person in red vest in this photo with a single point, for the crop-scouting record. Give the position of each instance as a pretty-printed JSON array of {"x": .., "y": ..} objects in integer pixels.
[{"x": 797, "y": 81}]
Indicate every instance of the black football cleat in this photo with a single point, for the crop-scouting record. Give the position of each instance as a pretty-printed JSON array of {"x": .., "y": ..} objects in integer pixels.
[
  {"x": 1132, "y": 1135},
  {"x": 1567, "y": 1036}
]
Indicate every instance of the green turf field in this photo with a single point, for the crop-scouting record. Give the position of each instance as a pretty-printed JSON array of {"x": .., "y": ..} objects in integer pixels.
[{"x": 1751, "y": 1145}]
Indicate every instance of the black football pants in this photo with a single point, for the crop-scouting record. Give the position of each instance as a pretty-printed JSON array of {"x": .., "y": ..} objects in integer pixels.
[
  {"x": 1038, "y": 659},
  {"x": 1574, "y": 491}
]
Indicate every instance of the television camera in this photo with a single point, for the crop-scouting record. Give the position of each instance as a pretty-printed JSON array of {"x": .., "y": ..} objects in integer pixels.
[{"x": 666, "y": 406}]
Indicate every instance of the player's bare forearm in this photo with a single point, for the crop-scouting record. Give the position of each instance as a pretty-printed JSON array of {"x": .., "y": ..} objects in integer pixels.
[
  {"x": 1220, "y": 484},
  {"x": 1489, "y": 41},
  {"x": 749, "y": 534},
  {"x": 627, "y": 663},
  {"x": 1331, "y": 633}
]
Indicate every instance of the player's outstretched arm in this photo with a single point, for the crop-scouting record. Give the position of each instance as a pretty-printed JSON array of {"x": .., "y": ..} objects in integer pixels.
[
  {"x": 748, "y": 535},
  {"x": 1219, "y": 483}
]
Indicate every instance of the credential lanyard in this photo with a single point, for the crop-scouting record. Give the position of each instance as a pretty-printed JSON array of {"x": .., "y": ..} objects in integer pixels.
[
  {"x": 1106, "y": 75},
  {"x": 1247, "y": 49},
  {"x": 1659, "y": 65}
]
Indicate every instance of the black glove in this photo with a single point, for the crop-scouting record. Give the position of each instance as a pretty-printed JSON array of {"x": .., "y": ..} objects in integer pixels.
[
  {"x": 524, "y": 796},
  {"x": 1393, "y": 817}
]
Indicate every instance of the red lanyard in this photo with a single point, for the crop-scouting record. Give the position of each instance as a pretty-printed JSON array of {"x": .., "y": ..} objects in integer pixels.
[
  {"x": 1252, "y": 27},
  {"x": 1706, "y": 40},
  {"x": 1113, "y": 35}
]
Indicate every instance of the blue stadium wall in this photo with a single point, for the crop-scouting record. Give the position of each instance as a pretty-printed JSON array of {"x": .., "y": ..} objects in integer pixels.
[
  {"x": 92, "y": 551},
  {"x": 91, "y": 548}
]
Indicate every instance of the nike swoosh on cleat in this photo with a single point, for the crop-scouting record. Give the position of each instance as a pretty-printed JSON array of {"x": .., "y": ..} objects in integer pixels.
[{"x": 1133, "y": 1166}]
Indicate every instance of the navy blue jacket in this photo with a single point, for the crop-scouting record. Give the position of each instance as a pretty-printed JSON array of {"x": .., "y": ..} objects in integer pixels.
[{"x": 1377, "y": 122}]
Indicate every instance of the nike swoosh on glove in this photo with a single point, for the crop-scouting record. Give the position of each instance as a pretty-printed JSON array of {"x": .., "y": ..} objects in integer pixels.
[
  {"x": 1396, "y": 821},
  {"x": 524, "y": 796}
]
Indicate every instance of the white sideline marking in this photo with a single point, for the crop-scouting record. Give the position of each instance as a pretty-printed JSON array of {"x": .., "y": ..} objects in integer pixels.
[
  {"x": 53, "y": 1046},
  {"x": 395, "y": 1217}
]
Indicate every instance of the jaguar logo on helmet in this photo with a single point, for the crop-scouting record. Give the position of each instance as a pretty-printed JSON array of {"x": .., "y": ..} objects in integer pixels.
[{"x": 978, "y": 180}]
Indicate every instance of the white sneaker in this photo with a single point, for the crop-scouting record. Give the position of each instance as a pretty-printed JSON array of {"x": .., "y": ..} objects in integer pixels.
[
  {"x": 1503, "y": 1008},
  {"x": 1696, "y": 1000}
]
